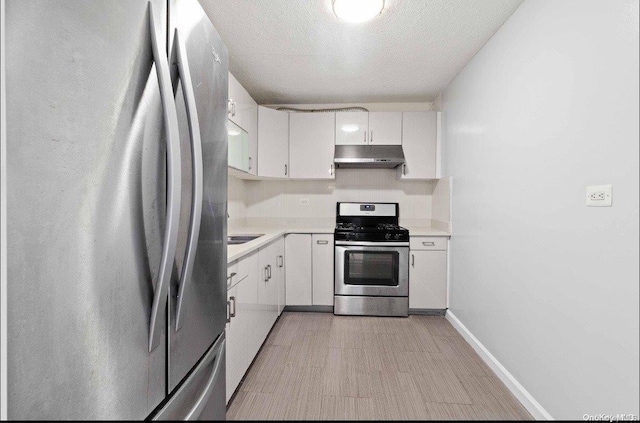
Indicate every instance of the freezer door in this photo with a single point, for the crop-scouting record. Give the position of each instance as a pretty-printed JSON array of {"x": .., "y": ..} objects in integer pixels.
[
  {"x": 201, "y": 396},
  {"x": 202, "y": 296},
  {"x": 85, "y": 209}
]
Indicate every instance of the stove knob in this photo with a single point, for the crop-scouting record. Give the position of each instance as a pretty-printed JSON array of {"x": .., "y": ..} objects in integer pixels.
[
  {"x": 397, "y": 236},
  {"x": 357, "y": 235},
  {"x": 387, "y": 236}
]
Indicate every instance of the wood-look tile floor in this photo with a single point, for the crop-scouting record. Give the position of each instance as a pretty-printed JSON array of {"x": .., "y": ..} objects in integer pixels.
[{"x": 317, "y": 366}]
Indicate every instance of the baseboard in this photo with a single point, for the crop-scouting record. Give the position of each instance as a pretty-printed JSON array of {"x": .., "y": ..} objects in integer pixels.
[
  {"x": 428, "y": 311},
  {"x": 527, "y": 400},
  {"x": 311, "y": 308}
]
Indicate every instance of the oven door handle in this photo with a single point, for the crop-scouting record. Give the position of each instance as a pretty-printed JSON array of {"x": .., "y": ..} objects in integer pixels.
[{"x": 371, "y": 244}]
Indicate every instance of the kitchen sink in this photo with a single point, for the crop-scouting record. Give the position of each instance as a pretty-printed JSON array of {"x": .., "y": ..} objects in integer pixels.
[{"x": 241, "y": 239}]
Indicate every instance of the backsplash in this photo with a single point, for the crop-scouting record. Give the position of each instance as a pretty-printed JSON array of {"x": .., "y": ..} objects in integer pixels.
[
  {"x": 317, "y": 199},
  {"x": 236, "y": 201}
]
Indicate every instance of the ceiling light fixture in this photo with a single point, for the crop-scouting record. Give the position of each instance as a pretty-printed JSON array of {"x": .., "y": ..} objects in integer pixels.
[{"x": 356, "y": 11}]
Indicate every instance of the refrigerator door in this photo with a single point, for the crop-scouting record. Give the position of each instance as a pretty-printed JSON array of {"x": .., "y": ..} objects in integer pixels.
[
  {"x": 201, "y": 298},
  {"x": 202, "y": 395},
  {"x": 86, "y": 198}
]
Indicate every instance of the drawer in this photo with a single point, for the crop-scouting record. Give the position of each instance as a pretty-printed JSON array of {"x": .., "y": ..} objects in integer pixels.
[{"x": 433, "y": 243}]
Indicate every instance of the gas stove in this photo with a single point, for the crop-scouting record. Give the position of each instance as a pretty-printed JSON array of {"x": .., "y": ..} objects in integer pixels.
[
  {"x": 371, "y": 260},
  {"x": 375, "y": 222},
  {"x": 375, "y": 233}
]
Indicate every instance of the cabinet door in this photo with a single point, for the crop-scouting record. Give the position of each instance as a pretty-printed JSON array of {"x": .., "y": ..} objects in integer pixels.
[
  {"x": 298, "y": 269},
  {"x": 385, "y": 128},
  {"x": 352, "y": 128},
  {"x": 280, "y": 262},
  {"x": 249, "y": 308},
  {"x": 250, "y": 120},
  {"x": 419, "y": 143},
  {"x": 428, "y": 280},
  {"x": 322, "y": 285},
  {"x": 311, "y": 145},
  {"x": 238, "y": 141},
  {"x": 273, "y": 143},
  {"x": 236, "y": 351},
  {"x": 235, "y": 94},
  {"x": 268, "y": 289}
]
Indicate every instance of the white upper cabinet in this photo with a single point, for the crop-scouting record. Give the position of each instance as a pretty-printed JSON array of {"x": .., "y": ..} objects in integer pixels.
[
  {"x": 352, "y": 128},
  {"x": 238, "y": 141},
  {"x": 243, "y": 111},
  {"x": 368, "y": 128},
  {"x": 311, "y": 145},
  {"x": 420, "y": 145},
  {"x": 385, "y": 128},
  {"x": 273, "y": 143}
]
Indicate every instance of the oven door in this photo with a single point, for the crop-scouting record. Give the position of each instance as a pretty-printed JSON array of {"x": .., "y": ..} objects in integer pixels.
[{"x": 372, "y": 269}]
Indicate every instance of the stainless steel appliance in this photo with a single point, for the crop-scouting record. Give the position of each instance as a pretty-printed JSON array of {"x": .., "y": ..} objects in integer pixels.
[
  {"x": 116, "y": 210},
  {"x": 371, "y": 260},
  {"x": 368, "y": 156}
]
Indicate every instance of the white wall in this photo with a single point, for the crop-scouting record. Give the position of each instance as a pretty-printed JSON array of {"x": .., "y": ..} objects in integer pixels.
[
  {"x": 549, "y": 286},
  {"x": 283, "y": 198}
]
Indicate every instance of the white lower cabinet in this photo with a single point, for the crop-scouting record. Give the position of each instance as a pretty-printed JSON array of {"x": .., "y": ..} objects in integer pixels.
[
  {"x": 322, "y": 275},
  {"x": 428, "y": 274},
  {"x": 298, "y": 270},
  {"x": 281, "y": 275},
  {"x": 268, "y": 287},
  {"x": 245, "y": 316}
]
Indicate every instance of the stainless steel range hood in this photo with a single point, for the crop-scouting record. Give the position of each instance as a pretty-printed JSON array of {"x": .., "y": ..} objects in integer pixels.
[{"x": 368, "y": 156}]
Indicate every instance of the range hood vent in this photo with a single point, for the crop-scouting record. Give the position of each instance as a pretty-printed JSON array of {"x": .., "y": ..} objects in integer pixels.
[{"x": 368, "y": 156}]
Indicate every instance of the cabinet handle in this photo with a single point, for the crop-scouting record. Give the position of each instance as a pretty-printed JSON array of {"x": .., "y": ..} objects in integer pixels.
[
  {"x": 371, "y": 137},
  {"x": 228, "y": 312},
  {"x": 232, "y": 299},
  {"x": 280, "y": 261},
  {"x": 331, "y": 170},
  {"x": 429, "y": 244},
  {"x": 230, "y": 106},
  {"x": 230, "y": 279},
  {"x": 404, "y": 169},
  {"x": 269, "y": 269},
  {"x": 266, "y": 274},
  {"x": 249, "y": 162},
  {"x": 322, "y": 242},
  {"x": 285, "y": 170},
  {"x": 413, "y": 260}
]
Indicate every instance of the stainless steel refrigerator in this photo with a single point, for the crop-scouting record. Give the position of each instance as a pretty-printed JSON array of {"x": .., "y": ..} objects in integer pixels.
[{"x": 116, "y": 210}]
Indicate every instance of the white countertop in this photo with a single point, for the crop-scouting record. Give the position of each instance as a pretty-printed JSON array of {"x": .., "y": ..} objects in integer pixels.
[{"x": 273, "y": 232}]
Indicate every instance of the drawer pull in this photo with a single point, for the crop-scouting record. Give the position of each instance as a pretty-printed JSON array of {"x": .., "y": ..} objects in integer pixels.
[
  {"x": 322, "y": 242},
  {"x": 231, "y": 275},
  {"x": 429, "y": 243},
  {"x": 232, "y": 312}
]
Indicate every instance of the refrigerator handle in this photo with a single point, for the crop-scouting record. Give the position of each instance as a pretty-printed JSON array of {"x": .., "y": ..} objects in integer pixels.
[
  {"x": 180, "y": 70},
  {"x": 203, "y": 399},
  {"x": 156, "y": 323}
]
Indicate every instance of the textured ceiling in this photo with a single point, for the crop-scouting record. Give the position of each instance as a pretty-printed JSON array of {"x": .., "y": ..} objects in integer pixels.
[{"x": 297, "y": 51}]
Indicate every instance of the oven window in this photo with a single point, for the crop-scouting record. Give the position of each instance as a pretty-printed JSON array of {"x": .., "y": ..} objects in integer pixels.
[{"x": 371, "y": 268}]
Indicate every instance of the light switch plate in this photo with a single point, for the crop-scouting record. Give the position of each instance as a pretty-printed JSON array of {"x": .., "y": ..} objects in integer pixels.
[{"x": 599, "y": 196}]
